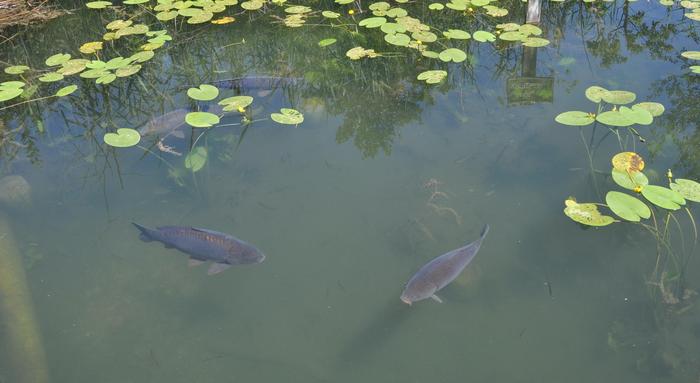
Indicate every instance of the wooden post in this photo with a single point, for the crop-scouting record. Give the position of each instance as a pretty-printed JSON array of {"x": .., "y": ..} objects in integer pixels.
[{"x": 534, "y": 8}]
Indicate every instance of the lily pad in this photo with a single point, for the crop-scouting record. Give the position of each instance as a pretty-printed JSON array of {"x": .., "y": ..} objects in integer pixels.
[
  {"x": 196, "y": 158},
  {"x": 330, "y": 14},
  {"x": 236, "y": 102},
  {"x": 614, "y": 118},
  {"x": 298, "y": 9},
  {"x": 360, "y": 52},
  {"x": 142, "y": 56},
  {"x": 619, "y": 97},
  {"x": 424, "y": 36},
  {"x": 205, "y": 92},
  {"x": 372, "y": 22},
  {"x": 66, "y": 90},
  {"x": 396, "y": 12},
  {"x": 166, "y": 15},
  {"x": 629, "y": 162},
  {"x": 692, "y": 55},
  {"x": 127, "y": 70},
  {"x": 252, "y": 5},
  {"x": 689, "y": 189},
  {"x": 432, "y": 76},
  {"x": 575, "y": 118},
  {"x": 656, "y": 109},
  {"x": 123, "y": 138},
  {"x": 51, "y": 77},
  {"x": 201, "y": 119},
  {"x": 288, "y": 116},
  {"x": 595, "y": 93},
  {"x": 453, "y": 54},
  {"x": 629, "y": 181},
  {"x": 483, "y": 36},
  {"x": 98, "y": 4},
  {"x": 16, "y": 69},
  {"x": 117, "y": 62},
  {"x": 627, "y": 207},
  {"x": 57, "y": 59},
  {"x": 106, "y": 79},
  {"x": 436, "y": 6},
  {"x": 430, "y": 54},
  {"x": 535, "y": 42},
  {"x": 399, "y": 39},
  {"x": 393, "y": 28},
  {"x": 530, "y": 29},
  {"x": 512, "y": 36},
  {"x": 637, "y": 115},
  {"x": 90, "y": 47},
  {"x": 586, "y": 213},
  {"x": 663, "y": 197},
  {"x": 118, "y": 24},
  {"x": 326, "y": 42},
  {"x": 457, "y": 34},
  {"x": 9, "y": 93},
  {"x": 94, "y": 73}
]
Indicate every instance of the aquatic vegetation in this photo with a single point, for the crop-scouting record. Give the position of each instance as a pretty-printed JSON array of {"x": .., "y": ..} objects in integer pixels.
[
  {"x": 123, "y": 138},
  {"x": 288, "y": 116},
  {"x": 196, "y": 159},
  {"x": 201, "y": 119},
  {"x": 205, "y": 92}
]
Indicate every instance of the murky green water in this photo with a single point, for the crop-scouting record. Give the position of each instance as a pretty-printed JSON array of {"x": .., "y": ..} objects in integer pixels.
[{"x": 340, "y": 207}]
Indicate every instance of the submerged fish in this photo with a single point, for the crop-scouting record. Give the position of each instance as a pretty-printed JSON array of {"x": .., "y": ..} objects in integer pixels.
[
  {"x": 169, "y": 124},
  {"x": 204, "y": 245},
  {"x": 439, "y": 272}
]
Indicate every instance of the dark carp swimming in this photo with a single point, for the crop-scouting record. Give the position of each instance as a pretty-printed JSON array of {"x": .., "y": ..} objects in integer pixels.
[
  {"x": 439, "y": 272},
  {"x": 204, "y": 245}
]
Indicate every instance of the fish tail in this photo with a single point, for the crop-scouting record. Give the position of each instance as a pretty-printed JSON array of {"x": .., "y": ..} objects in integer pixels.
[
  {"x": 485, "y": 231},
  {"x": 145, "y": 232}
]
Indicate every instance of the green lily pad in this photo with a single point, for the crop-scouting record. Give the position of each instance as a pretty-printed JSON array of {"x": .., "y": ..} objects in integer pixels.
[
  {"x": 94, "y": 73},
  {"x": 399, "y": 39},
  {"x": 98, "y": 4},
  {"x": 142, "y": 56},
  {"x": 535, "y": 42},
  {"x": 134, "y": 2},
  {"x": 16, "y": 69},
  {"x": 51, "y": 77},
  {"x": 196, "y": 158},
  {"x": 693, "y": 16},
  {"x": 631, "y": 180},
  {"x": 637, "y": 115},
  {"x": 432, "y": 76},
  {"x": 205, "y": 92},
  {"x": 297, "y": 9},
  {"x": 9, "y": 93},
  {"x": 201, "y": 119},
  {"x": 663, "y": 197},
  {"x": 118, "y": 24},
  {"x": 654, "y": 108},
  {"x": 200, "y": 18},
  {"x": 480, "y": 3},
  {"x": 106, "y": 78},
  {"x": 379, "y": 6},
  {"x": 166, "y": 15},
  {"x": 530, "y": 29},
  {"x": 372, "y": 22},
  {"x": 236, "y": 102},
  {"x": 575, "y": 118},
  {"x": 73, "y": 66},
  {"x": 117, "y": 62},
  {"x": 66, "y": 90},
  {"x": 436, "y": 6},
  {"x": 495, "y": 11},
  {"x": 692, "y": 55},
  {"x": 396, "y": 12},
  {"x": 512, "y": 36},
  {"x": 424, "y": 36},
  {"x": 96, "y": 64},
  {"x": 483, "y": 36},
  {"x": 288, "y": 116},
  {"x": 689, "y": 189},
  {"x": 123, "y": 138},
  {"x": 619, "y": 97},
  {"x": 457, "y": 5},
  {"x": 627, "y": 207},
  {"x": 127, "y": 70},
  {"x": 457, "y": 34},
  {"x": 453, "y": 54},
  {"x": 12, "y": 85},
  {"x": 613, "y": 118},
  {"x": 586, "y": 213},
  {"x": 57, "y": 59},
  {"x": 508, "y": 27},
  {"x": 393, "y": 28},
  {"x": 252, "y": 5},
  {"x": 330, "y": 14},
  {"x": 342, "y": 2},
  {"x": 430, "y": 54},
  {"x": 595, "y": 93},
  {"x": 326, "y": 42}
]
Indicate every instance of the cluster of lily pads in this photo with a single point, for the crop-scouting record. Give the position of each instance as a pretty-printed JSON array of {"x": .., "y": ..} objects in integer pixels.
[
  {"x": 617, "y": 115},
  {"x": 627, "y": 173}
]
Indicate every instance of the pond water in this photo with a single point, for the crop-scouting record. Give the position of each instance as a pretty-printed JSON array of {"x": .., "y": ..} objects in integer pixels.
[{"x": 385, "y": 173}]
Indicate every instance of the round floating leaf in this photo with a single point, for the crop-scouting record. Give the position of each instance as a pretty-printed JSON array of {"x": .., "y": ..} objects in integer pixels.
[
  {"x": 12, "y": 85},
  {"x": 127, "y": 70},
  {"x": 495, "y": 11},
  {"x": 424, "y": 36},
  {"x": 106, "y": 79},
  {"x": 203, "y": 17},
  {"x": 9, "y": 93},
  {"x": 372, "y": 22},
  {"x": 380, "y": 6},
  {"x": 479, "y": 3},
  {"x": 94, "y": 73},
  {"x": 134, "y": 2},
  {"x": 359, "y": 52},
  {"x": 613, "y": 118},
  {"x": 66, "y": 90},
  {"x": 629, "y": 181},
  {"x": 630, "y": 162},
  {"x": 432, "y": 76},
  {"x": 96, "y": 64},
  {"x": 288, "y": 116},
  {"x": 201, "y": 119},
  {"x": 51, "y": 77},
  {"x": 343, "y": 1},
  {"x": 123, "y": 138},
  {"x": 637, "y": 115},
  {"x": 205, "y": 92},
  {"x": 626, "y": 206},
  {"x": 396, "y": 12},
  {"x": 117, "y": 62},
  {"x": 586, "y": 213},
  {"x": 453, "y": 54},
  {"x": 91, "y": 47},
  {"x": 512, "y": 36},
  {"x": 483, "y": 36},
  {"x": 118, "y": 24},
  {"x": 663, "y": 197},
  {"x": 595, "y": 93},
  {"x": 252, "y": 5},
  {"x": 693, "y": 16},
  {"x": 393, "y": 28},
  {"x": 457, "y": 5},
  {"x": 166, "y": 15},
  {"x": 98, "y": 4},
  {"x": 508, "y": 27},
  {"x": 57, "y": 59},
  {"x": 142, "y": 56},
  {"x": 457, "y": 34},
  {"x": 16, "y": 69},
  {"x": 618, "y": 97},
  {"x": 430, "y": 54},
  {"x": 654, "y": 108},
  {"x": 436, "y": 6},
  {"x": 196, "y": 158},
  {"x": 298, "y": 9},
  {"x": 692, "y": 55},
  {"x": 330, "y": 14},
  {"x": 535, "y": 42},
  {"x": 216, "y": 8},
  {"x": 326, "y": 42},
  {"x": 689, "y": 189},
  {"x": 236, "y": 102},
  {"x": 575, "y": 118},
  {"x": 530, "y": 29},
  {"x": 399, "y": 39}
]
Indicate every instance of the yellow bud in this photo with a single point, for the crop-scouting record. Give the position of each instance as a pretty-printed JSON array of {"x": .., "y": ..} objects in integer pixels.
[
  {"x": 241, "y": 109},
  {"x": 419, "y": 42},
  {"x": 351, "y": 12},
  {"x": 669, "y": 174},
  {"x": 637, "y": 189}
]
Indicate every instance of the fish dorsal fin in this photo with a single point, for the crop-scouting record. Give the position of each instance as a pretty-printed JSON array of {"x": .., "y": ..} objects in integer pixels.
[{"x": 436, "y": 298}]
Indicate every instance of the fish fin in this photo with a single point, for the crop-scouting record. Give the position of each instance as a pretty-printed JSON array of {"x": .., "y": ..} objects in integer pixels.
[
  {"x": 216, "y": 268},
  {"x": 485, "y": 231},
  {"x": 194, "y": 262},
  {"x": 144, "y": 235},
  {"x": 177, "y": 133},
  {"x": 436, "y": 298}
]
